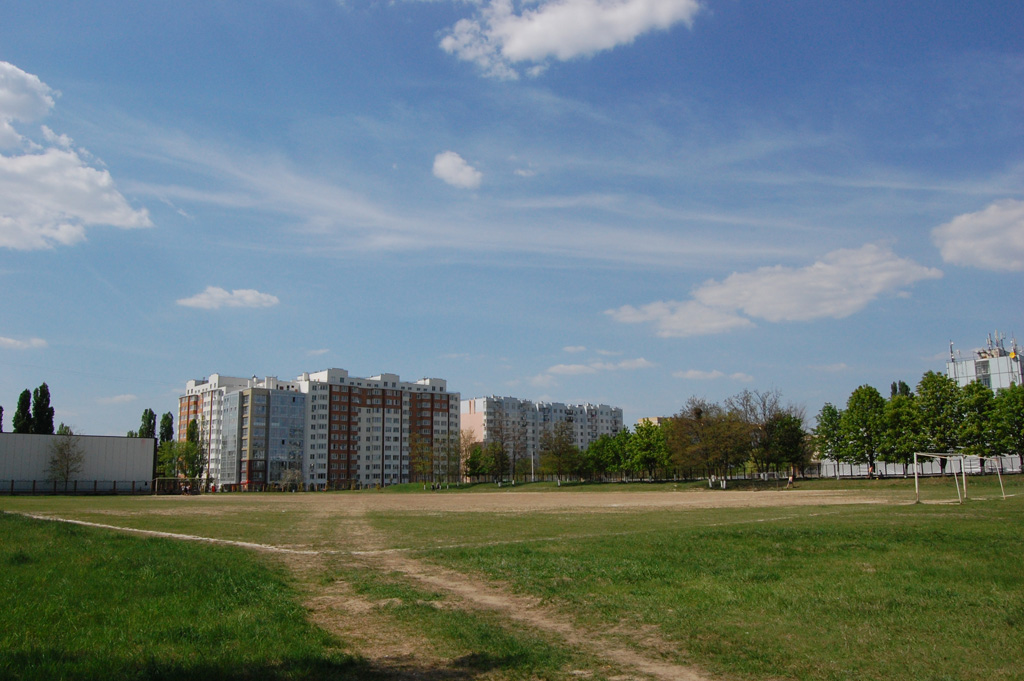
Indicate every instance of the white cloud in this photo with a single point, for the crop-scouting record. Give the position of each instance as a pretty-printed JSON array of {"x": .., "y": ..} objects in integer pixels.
[
  {"x": 316, "y": 353},
  {"x": 507, "y": 32},
  {"x": 28, "y": 344},
  {"x": 571, "y": 369},
  {"x": 547, "y": 377},
  {"x": 698, "y": 375},
  {"x": 574, "y": 348},
  {"x": 118, "y": 399},
  {"x": 840, "y": 284},
  {"x": 841, "y": 366},
  {"x": 23, "y": 97},
  {"x": 454, "y": 170},
  {"x": 675, "y": 319},
  {"x": 991, "y": 239},
  {"x": 48, "y": 196},
  {"x": 214, "y": 298}
]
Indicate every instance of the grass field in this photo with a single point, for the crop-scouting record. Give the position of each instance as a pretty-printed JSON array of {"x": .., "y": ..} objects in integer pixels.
[{"x": 834, "y": 580}]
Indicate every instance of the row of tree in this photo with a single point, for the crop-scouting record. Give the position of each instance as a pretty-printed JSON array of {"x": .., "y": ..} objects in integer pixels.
[
  {"x": 751, "y": 431},
  {"x": 34, "y": 415},
  {"x": 940, "y": 417}
]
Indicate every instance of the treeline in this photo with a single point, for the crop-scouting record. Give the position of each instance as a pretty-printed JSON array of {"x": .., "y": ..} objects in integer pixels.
[
  {"x": 940, "y": 417},
  {"x": 751, "y": 431}
]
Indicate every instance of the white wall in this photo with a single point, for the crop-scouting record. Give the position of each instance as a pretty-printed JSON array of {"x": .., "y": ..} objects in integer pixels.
[{"x": 26, "y": 457}]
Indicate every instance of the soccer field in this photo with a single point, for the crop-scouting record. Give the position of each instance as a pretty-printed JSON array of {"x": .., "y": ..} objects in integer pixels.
[{"x": 828, "y": 581}]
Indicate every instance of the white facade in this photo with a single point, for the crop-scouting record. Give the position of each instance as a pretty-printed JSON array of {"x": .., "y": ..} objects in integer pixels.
[
  {"x": 993, "y": 366},
  {"x": 523, "y": 422}
]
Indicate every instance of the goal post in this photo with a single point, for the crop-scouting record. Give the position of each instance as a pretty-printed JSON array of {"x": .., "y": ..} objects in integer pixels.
[
  {"x": 962, "y": 480},
  {"x": 956, "y": 481}
]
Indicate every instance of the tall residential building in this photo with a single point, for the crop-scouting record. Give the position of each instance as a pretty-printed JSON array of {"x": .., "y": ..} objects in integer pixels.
[
  {"x": 203, "y": 402},
  {"x": 339, "y": 431},
  {"x": 360, "y": 430},
  {"x": 520, "y": 423},
  {"x": 993, "y": 366}
]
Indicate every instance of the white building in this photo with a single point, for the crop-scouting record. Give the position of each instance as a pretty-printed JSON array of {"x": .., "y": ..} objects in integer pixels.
[
  {"x": 521, "y": 423},
  {"x": 993, "y": 366},
  {"x": 355, "y": 432}
]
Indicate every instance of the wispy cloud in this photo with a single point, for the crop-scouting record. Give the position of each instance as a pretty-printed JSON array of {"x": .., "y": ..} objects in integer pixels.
[
  {"x": 118, "y": 399},
  {"x": 22, "y": 344},
  {"x": 317, "y": 353},
  {"x": 506, "y": 33},
  {"x": 547, "y": 378},
  {"x": 841, "y": 283},
  {"x": 574, "y": 348},
  {"x": 453, "y": 169},
  {"x": 699, "y": 375},
  {"x": 835, "y": 368},
  {"x": 991, "y": 239},
  {"x": 49, "y": 194},
  {"x": 214, "y": 298}
]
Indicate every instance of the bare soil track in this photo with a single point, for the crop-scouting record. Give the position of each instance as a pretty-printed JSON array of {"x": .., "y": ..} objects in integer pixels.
[{"x": 346, "y": 539}]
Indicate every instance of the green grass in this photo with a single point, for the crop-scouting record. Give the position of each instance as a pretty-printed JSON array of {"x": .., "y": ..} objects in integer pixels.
[
  {"x": 868, "y": 591},
  {"x": 910, "y": 592},
  {"x": 81, "y": 603}
]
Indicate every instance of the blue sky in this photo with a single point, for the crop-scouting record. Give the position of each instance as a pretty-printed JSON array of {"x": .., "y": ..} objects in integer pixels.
[{"x": 621, "y": 201}]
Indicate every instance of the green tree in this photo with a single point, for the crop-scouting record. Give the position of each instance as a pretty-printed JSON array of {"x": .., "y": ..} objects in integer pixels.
[
  {"x": 600, "y": 457},
  {"x": 978, "y": 432},
  {"x": 902, "y": 436},
  {"x": 496, "y": 460},
  {"x": 66, "y": 457},
  {"x": 1009, "y": 417},
  {"x": 899, "y": 388},
  {"x": 194, "y": 459},
  {"x": 648, "y": 449},
  {"x": 42, "y": 412},
  {"x": 421, "y": 459},
  {"x": 692, "y": 438},
  {"x": 828, "y": 438},
  {"x": 166, "y": 428},
  {"x": 620, "y": 452},
  {"x": 787, "y": 441},
  {"x": 862, "y": 425},
  {"x": 186, "y": 459},
  {"x": 192, "y": 431},
  {"x": 558, "y": 452},
  {"x": 477, "y": 464},
  {"x": 147, "y": 428},
  {"x": 938, "y": 398},
  {"x": 22, "y": 421}
]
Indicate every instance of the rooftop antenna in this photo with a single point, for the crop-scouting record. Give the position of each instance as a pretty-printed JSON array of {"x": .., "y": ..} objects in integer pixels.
[{"x": 951, "y": 357}]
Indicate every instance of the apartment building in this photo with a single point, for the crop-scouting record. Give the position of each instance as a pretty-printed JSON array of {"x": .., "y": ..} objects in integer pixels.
[
  {"x": 520, "y": 423},
  {"x": 340, "y": 431}
]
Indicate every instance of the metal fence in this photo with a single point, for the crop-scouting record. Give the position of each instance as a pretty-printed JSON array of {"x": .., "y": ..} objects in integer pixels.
[{"x": 75, "y": 487}]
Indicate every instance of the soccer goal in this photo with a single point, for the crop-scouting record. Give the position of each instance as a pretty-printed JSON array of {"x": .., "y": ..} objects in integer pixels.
[{"x": 955, "y": 461}]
